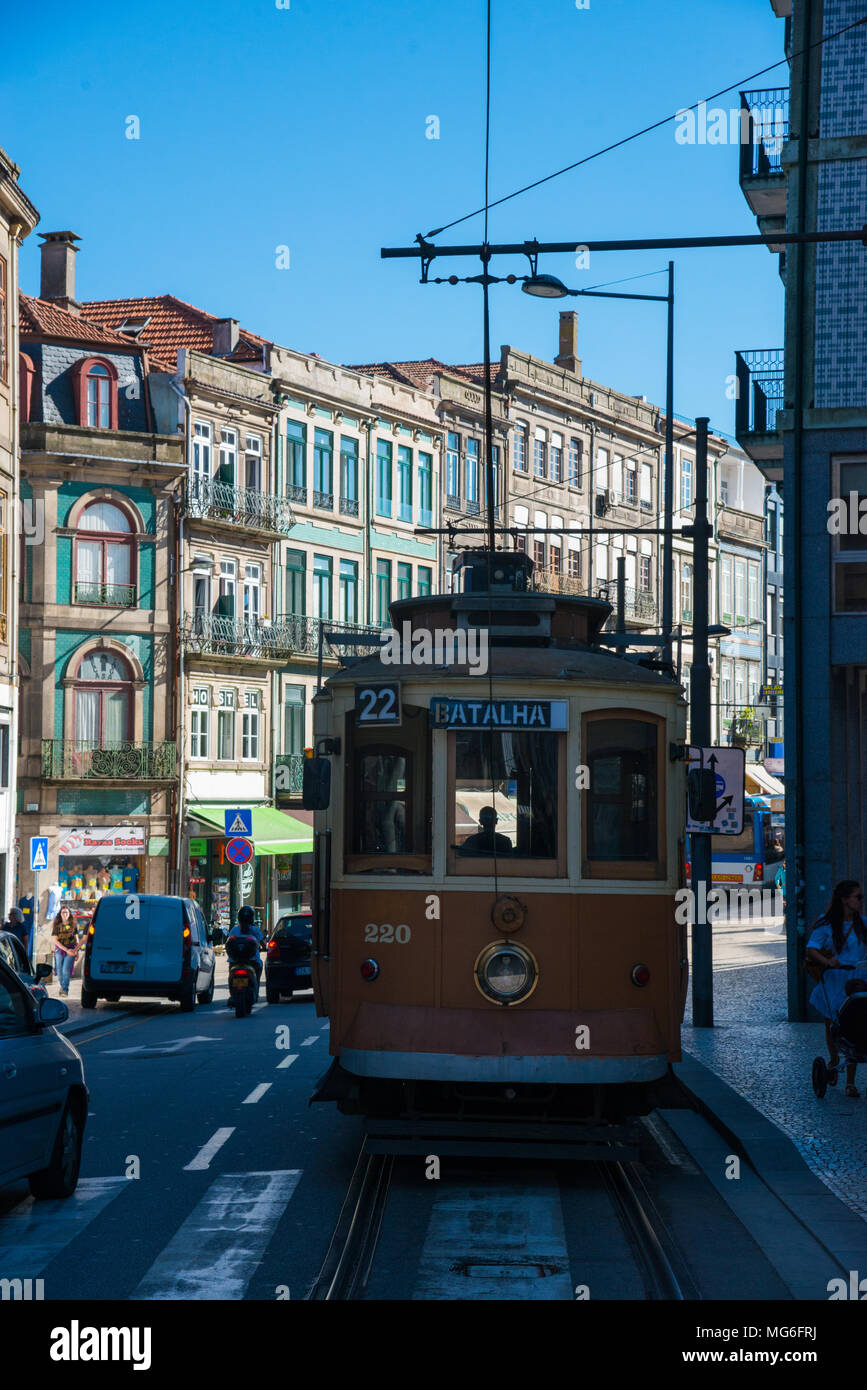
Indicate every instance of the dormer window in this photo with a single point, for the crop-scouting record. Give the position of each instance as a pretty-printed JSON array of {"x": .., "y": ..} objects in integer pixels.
[{"x": 96, "y": 383}]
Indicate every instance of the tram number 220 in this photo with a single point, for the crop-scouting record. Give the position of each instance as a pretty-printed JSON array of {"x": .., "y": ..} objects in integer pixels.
[{"x": 387, "y": 932}]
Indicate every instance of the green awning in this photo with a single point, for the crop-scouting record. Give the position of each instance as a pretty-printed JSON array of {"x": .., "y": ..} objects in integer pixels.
[{"x": 274, "y": 832}]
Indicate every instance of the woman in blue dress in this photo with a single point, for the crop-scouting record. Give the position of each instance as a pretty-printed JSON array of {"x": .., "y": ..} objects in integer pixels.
[{"x": 839, "y": 938}]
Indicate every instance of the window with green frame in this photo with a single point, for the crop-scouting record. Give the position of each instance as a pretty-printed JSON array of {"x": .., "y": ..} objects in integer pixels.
[
  {"x": 424, "y": 578},
  {"x": 383, "y": 477},
  {"x": 348, "y": 591},
  {"x": 323, "y": 464},
  {"x": 322, "y": 586},
  {"x": 296, "y": 455},
  {"x": 425, "y": 492},
  {"x": 383, "y": 590},
  {"x": 404, "y": 482},
  {"x": 348, "y": 468},
  {"x": 296, "y": 582},
  {"x": 293, "y": 719},
  {"x": 404, "y": 580}
]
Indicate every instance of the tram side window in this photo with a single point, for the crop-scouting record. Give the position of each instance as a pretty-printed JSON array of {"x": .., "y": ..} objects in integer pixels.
[
  {"x": 506, "y": 794},
  {"x": 621, "y": 805},
  {"x": 382, "y": 825},
  {"x": 388, "y": 806}
]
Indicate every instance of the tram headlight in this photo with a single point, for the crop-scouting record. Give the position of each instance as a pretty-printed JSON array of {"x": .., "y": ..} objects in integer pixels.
[{"x": 505, "y": 972}]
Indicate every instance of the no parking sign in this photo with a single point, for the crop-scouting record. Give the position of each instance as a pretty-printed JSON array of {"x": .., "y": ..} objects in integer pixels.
[{"x": 239, "y": 851}]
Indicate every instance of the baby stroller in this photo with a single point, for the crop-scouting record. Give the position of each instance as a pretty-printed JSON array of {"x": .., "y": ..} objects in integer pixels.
[{"x": 848, "y": 1028}]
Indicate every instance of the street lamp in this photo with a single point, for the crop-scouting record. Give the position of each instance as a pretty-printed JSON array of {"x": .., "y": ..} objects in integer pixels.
[{"x": 546, "y": 287}]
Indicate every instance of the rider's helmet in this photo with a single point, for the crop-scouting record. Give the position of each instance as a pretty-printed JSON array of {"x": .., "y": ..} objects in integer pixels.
[{"x": 246, "y": 917}]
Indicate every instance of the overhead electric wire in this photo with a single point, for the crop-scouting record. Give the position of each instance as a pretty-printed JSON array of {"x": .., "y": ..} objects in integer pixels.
[{"x": 627, "y": 139}]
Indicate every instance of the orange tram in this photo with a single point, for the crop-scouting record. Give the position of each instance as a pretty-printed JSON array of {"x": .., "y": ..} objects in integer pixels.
[{"x": 498, "y": 841}]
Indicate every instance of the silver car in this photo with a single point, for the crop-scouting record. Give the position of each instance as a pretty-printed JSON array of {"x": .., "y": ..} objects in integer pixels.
[{"x": 43, "y": 1096}]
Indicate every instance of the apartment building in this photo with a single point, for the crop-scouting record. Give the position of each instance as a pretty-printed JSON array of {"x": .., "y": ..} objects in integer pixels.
[
  {"x": 802, "y": 417},
  {"x": 97, "y": 766},
  {"x": 18, "y": 217}
]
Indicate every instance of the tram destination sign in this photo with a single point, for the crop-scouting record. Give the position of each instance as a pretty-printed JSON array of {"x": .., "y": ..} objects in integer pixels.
[{"x": 498, "y": 714}]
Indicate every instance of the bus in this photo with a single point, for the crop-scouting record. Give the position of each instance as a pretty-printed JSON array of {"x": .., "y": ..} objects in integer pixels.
[{"x": 756, "y": 856}]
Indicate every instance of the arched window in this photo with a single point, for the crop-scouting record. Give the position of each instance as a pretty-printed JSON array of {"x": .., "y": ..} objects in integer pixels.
[
  {"x": 26, "y": 374},
  {"x": 96, "y": 392},
  {"x": 103, "y": 704},
  {"x": 105, "y": 557}
]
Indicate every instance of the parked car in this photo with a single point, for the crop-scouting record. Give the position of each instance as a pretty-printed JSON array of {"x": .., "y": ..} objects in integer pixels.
[
  {"x": 43, "y": 1096},
  {"x": 13, "y": 954},
  {"x": 155, "y": 946},
  {"x": 287, "y": 963}
]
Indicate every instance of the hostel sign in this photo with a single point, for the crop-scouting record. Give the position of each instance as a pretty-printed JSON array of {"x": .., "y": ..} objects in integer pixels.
[{"x": 498, "y": 714}]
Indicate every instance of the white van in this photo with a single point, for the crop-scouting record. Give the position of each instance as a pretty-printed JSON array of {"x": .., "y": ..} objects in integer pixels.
[{"x": 147, "y": 945}]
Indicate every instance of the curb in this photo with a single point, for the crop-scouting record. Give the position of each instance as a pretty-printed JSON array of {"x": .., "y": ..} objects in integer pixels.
[{"x": 774, "y": 1158}]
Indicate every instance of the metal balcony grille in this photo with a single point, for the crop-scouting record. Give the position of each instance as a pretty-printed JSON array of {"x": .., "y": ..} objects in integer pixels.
[
  {"x": 304, "y": 634},
  {"x": 106, "y": 595},
  {"x": 74, "y": 759},
  {"x": 297, "y": 493},
  {"x": 761, "y": 390},
  {"x": 471, "y": 507},
  {"x": 764, "y": 128},
  {"x": 453, "y": 504},
  {"x": 323, "y": 500},
  {"x": 215, "y": 635},
  {"x": 289, "y": 773},
  {"x": 349, "y": 506},
  {"x": 257, "y": 511}
]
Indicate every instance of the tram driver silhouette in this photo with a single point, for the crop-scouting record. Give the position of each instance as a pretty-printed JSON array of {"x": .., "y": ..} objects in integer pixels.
[{"x": 486, "y": 841}]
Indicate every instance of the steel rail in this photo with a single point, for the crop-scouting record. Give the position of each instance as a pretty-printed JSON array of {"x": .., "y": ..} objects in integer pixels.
[
  {"x": 349, "y": 1258},
  {"x": 641, "y": 1220}
]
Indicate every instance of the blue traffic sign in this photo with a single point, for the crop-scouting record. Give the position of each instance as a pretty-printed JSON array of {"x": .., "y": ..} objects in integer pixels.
[
  {"x": 239, "y": 851},
  {"x": 239, "y": 821},
  {"x": 38, "y": 852}
]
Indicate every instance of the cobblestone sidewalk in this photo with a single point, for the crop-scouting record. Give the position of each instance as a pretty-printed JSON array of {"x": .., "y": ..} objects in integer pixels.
[{"x": 768, "y": 1060}]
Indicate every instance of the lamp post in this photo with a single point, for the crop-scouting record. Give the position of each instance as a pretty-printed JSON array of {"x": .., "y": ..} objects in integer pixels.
[{"x": 549, "y": 287}]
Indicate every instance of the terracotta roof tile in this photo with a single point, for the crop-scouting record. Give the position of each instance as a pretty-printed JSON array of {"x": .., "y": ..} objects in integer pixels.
[
  {"x": 41, "y": 318},
  {"x": 173, "y": 325},
  {"x": 420, "y": 373}
]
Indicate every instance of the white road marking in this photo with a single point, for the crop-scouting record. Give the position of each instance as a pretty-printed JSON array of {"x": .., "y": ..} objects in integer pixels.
[
  {"x": 257, "y": 1093},
  {"x": 156, "y": 1049},
  {"x": 495, "y": 1242},
  {"x": 216, "y": 1251},
  {"x": 287, "y": 1061},
  {"x": 308, "y": 1041},
  {"x": 325, "y": 1027},
  {"x": 33, "y": 1233},
  {"x": 206, "y": 1152}
]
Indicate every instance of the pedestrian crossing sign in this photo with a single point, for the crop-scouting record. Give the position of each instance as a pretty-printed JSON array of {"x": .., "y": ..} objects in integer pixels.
[
  {"x": 239, "y": 821},
  {"x": 38, "y": 852}
]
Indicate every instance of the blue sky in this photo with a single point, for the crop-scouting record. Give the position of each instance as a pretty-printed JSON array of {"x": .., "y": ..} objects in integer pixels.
[{"x": 305, "y": 127}]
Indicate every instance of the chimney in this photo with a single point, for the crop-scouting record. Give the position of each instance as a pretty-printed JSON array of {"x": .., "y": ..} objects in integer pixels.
[
  {"x": 225, "y": 337},
  {"x": 57, "y": 281},
  {"x": 567, "y": 357}
]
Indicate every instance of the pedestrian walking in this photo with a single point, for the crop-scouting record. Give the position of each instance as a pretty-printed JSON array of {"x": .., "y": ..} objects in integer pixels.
[
  {"x": 64, "y": 939},
  {"x": 16, "y": 924},
  {"x": 839, "y": 938}
]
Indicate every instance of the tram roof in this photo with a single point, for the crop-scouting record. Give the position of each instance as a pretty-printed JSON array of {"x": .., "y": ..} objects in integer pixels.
[{"x": 511, "y": 662}]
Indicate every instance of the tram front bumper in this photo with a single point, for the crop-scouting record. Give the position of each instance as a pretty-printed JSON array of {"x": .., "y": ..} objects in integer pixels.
[{"x": 620, "y": 1046}]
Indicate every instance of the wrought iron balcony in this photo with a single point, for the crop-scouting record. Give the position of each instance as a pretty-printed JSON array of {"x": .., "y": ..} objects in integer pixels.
[
  {"x": 746, "y": 729},
  {"x": 297, "y": 492},
  {"x": 639, "y": 607},
  {"x": 323, "y": 500},
  {"x": 106, "y": 595},
  {"x": 349, "y": 506},
  {"x": 546, "y": 581},
  {"x": 75, "y": 760},
  {"x": 471, "y": 507},
  {"x": 764, "y": 129},
  {"x": 237, "y": 506},
  {"x": 211, "y": 634},
  {"x": 288, "y": 773},
  {"x": 761, "y": 393},
  {"x": 453, "y": 504},
  {"x": 304, "y": 634}
]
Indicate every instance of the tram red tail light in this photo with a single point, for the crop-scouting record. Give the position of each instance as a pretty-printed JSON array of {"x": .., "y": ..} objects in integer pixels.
[
  {"x": 640, "y": 975},
  {"x": 369, "y": 969}
]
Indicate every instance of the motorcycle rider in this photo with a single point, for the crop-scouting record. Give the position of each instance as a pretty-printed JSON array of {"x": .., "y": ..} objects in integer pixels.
[{"x": 246, "y": 927}]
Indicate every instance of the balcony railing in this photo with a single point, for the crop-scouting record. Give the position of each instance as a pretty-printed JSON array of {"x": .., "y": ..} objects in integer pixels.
[
  {"x": 323, "y": 500},
  {"x": 106, "y": 595},
  {"x": 546, "y": 581},
  {"x": 304, "y": 633},
  {"x": 746, "y": 730},
  {"x": 763, "y": 132},
  {"x": 74, "y": 759},
  {"x": 640, "y": 605},
  {"x": 349, "y": 506},
  {"x": 453, "y": 503},
  {"x": 258, "y": 511},
  {"x": 761, "y": 393},
  {"x": 211, "y": 634},
  {"x": 297, "y": 492},
  {"x": 289, "y": 773}
]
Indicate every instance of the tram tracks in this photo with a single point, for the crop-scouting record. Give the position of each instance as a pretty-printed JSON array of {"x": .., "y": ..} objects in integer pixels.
[
  {"x": 665, "y": 1277},
  {"x": 351, "y": 1250}
]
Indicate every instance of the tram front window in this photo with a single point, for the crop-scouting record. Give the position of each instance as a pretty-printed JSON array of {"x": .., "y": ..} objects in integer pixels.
[
  {"x": 381, "y": 814},
  {"x": 621, "y": 807},
  {"x": 506, "y": 794}
]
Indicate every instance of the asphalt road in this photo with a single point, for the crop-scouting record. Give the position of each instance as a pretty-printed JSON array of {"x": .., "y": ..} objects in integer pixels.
[{"x": 239, "y": 1182}]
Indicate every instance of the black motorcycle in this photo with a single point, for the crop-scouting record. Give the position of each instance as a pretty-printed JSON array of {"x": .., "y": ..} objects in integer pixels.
[{"x": 242, "y": 953}]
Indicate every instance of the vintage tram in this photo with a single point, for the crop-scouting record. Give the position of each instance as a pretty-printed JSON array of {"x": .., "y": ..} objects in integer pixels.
[{"x": 498, "y": 843}]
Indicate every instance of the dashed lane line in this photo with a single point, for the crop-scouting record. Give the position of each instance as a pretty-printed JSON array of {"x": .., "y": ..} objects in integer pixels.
[
  {"x": 257, "y": 1093},
  {"x": 287, "y": 1061},
  {"x": 307, "y": 1041},
  {"x": 203, "y": 1158}
]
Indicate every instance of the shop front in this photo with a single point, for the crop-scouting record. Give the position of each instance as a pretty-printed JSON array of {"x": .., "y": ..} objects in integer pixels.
[
  {"x": 274, "y": 880},
  {"x": 97, "y": 860}
]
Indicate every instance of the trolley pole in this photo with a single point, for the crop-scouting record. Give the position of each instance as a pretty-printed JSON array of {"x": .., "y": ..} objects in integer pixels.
[{"x": 702, "y": 880}]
